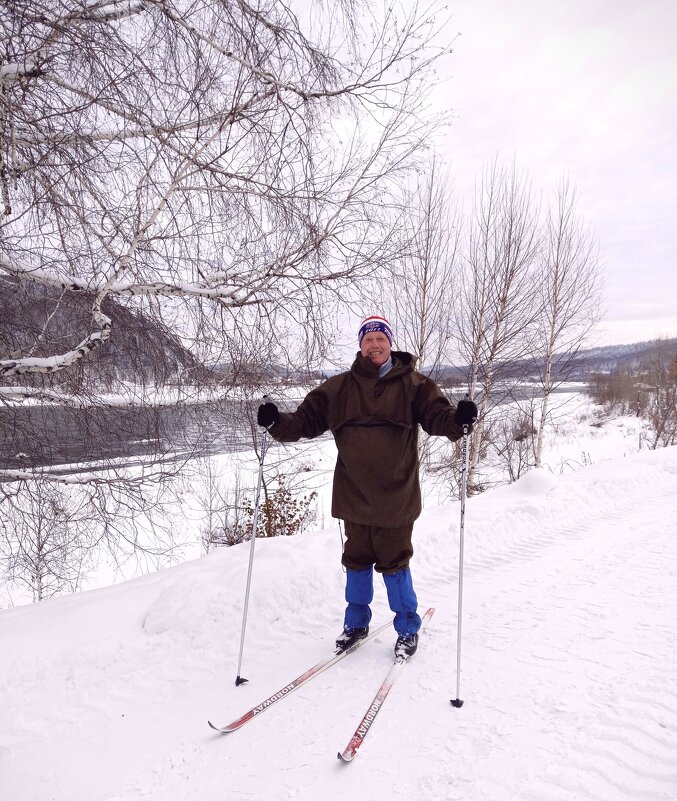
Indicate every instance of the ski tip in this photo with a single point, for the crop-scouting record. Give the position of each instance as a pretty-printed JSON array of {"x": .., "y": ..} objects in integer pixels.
[
  {"x": 221, "y": 729},
  {"x": 345, "y": 756}
]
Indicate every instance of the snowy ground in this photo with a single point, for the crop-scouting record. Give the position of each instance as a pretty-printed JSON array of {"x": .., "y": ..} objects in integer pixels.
[{"x": 569, "y": 660}]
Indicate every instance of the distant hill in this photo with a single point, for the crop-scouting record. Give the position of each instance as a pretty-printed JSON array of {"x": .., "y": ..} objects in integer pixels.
[
  {"x": 39, "y": 321},
  {"x": 36, "y": 320},
  {"x": 622, "y": 358},
  {"x": 608, "y": 359}
]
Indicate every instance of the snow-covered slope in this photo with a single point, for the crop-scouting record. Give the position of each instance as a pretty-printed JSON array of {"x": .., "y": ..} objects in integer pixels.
[{"x": 569, "y": 664}]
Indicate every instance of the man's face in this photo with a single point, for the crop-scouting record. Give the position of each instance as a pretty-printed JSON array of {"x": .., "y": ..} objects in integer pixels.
[{"x": 375, "y": 346}]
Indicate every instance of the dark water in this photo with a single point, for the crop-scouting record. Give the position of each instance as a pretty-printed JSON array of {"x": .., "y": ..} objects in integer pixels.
[{"x": 38, "y": 436}]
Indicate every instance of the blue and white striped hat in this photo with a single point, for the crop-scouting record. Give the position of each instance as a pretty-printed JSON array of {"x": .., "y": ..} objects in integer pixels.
[{"x": 375, "y": 323}]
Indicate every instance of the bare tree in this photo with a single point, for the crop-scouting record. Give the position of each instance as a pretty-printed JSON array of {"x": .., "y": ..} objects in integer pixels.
[
  {"x": 46, "y": 539},
  {"x": 227, "y": 169},
  {"x": 499, "y": 300},
  {"x": 570, "y": 299},
  {"x": 661, "y": 411},
  {"x": 54, "y": 528},
  {"x": 512, "y": 443},
  {"x": 423, "y": 278},
  {"x": 174, "y": 153},
  {"x": 419, "y": 286},
  {"x": 222, "y": 506}
]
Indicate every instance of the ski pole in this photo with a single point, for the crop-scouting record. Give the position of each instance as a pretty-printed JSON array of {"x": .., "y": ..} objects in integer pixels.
[
  {"x": 257, "y": 503},
  {"x": 457, "y": 702}
]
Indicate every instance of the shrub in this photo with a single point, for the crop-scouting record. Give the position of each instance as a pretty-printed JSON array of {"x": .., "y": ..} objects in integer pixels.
[{"x": 281, "y": 514}]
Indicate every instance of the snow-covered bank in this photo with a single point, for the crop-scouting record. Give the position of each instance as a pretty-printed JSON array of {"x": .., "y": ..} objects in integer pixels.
[{"x": 569, "y": 680}]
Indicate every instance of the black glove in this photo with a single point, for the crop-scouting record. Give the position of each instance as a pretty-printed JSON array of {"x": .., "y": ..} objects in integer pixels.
[
  {"x": 466, "y": 413},
  {"x": 267, "y": 415}
]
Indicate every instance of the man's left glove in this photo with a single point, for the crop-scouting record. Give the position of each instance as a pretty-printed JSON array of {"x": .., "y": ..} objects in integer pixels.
[
  {"x": 267, "y": 415},
  {"x": 466, "y": 413}
]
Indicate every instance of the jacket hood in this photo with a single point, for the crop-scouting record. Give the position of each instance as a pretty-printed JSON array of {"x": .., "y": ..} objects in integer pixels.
[{"x": 404, "y": 357}]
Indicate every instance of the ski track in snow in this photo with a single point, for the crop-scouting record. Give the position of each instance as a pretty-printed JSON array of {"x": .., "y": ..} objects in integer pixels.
[
  {"x": 569, "y": 666},
  {"x": 582, "y": 622}
]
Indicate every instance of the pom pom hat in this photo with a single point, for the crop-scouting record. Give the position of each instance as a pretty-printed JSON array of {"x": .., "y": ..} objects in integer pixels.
[{"x": 375, "y": 323}]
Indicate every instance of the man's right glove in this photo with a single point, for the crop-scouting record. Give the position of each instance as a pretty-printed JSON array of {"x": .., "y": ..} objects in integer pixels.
[
  {"x": 466, "y": 413},
  {"x": 267, "y": 415}
]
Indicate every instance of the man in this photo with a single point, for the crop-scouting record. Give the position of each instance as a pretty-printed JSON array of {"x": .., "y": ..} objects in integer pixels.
[{"x": 373, "y": 412}]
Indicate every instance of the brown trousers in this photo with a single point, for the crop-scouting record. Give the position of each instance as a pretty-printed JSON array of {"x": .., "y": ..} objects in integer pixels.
[{"x": 387, "y": 549}]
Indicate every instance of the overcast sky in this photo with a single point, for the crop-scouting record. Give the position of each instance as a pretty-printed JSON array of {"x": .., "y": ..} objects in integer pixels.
[{"x": 586, "y": 88}]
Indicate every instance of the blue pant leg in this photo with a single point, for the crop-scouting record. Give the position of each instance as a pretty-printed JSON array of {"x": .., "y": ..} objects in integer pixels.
[
  {"x": 403, "y": 601},
  {"x": 359, "y": 594}
]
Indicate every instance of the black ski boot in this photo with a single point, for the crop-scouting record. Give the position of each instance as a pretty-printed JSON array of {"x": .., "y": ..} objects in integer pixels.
[
  {"x": 406, "y": 645},
  {"x": 349, "y": 637}
]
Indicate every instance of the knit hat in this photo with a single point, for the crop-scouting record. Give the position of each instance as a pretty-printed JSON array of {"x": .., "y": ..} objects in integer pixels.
[{"x": 375, "y": 323}]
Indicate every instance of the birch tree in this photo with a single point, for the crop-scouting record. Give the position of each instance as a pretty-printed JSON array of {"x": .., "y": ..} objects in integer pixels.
[
  {"x": 421, "y": 283},
  {"x": 228, "y": 169},
  {"x": 213, "y": 163},
  {"x": 570, "y": 299},
  {"x": 423, "y": 278},
  {"x": 54, "y": 531},
  {"x": 45, "y": 539},
  {"x": 499, "y": 298}
]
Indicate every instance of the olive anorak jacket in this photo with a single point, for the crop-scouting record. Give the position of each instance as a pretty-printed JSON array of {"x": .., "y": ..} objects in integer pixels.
[{"x": 375, "y": 423}]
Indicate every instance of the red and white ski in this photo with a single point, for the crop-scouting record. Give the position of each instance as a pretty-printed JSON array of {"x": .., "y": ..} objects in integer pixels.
[
  {"x": 320, "y": 667},
  {"x": 350, "y": 751}
]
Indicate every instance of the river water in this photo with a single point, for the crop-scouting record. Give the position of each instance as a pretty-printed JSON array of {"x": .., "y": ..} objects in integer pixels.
[
  {"x": 38, "y": 436},
  {"x": 35, "y": 436}
]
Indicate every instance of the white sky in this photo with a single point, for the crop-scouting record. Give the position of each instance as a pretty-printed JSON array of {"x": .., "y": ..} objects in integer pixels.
[{"x": 586, "y": 88}]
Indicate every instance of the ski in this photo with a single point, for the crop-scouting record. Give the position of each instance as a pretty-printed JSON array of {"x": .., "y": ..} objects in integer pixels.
[
  {"x": 320, "y": 667},
  {"x": 350, "y": 751}
]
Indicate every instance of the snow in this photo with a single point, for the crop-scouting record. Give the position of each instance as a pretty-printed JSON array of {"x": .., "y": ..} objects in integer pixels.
[
  {"x": 569, "y": 659},
  {"x": 12, "y": 72}
]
